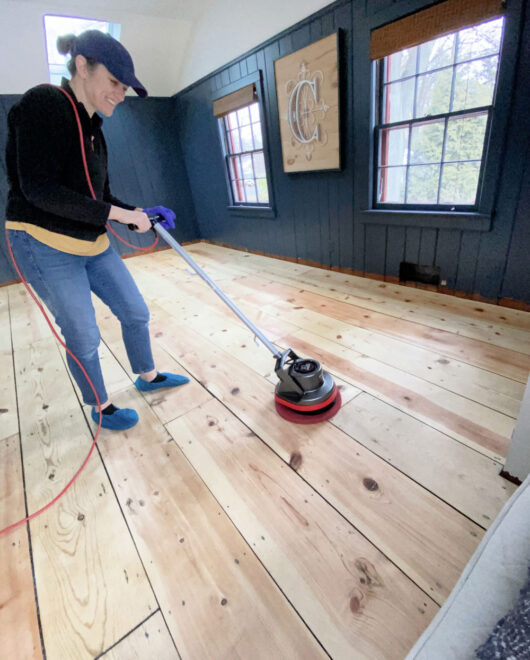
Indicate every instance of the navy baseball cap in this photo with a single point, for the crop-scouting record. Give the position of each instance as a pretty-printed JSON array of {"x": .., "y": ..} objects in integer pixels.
[{"x": 108, "y": 51}]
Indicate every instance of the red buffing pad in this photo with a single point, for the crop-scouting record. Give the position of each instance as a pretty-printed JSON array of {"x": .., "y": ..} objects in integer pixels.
[{"x": 292, "y": 415}]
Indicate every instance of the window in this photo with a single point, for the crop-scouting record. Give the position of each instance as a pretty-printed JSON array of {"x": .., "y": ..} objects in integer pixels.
[
  {"x": 244, "y": 148},
  {"x": 433, "y": 106},
  {"x": 245, "y": 161},
  {"x": 56, "y": 26}
]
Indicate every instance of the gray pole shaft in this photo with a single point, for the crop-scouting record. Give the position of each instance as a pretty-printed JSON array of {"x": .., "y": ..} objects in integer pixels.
[{"x": 178, "y": 248}]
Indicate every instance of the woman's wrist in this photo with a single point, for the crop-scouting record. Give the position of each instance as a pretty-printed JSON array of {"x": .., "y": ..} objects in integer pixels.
[{"x": 117, "y": 213}]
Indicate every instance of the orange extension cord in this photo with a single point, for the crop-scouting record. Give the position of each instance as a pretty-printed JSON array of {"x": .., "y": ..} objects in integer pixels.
[{"x": 136, "y": 247}]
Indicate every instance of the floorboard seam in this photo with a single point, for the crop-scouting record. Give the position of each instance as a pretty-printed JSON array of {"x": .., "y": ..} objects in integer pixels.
[
  {"x": 28, "y": 530},
  {"x": 124, "y": 517},
  {"x": 129, "y": 633},
  {"x": 250, "y": 547}
]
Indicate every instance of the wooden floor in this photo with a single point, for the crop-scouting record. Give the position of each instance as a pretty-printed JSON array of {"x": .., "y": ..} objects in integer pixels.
[{"x": 215, "y": 529}]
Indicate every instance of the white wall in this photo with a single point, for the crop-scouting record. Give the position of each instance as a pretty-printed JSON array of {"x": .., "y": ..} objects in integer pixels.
[
  {"x": 229, "y": 28},
  {"x": 158, "y": 45},
  {"x": 169, "y": 53}
]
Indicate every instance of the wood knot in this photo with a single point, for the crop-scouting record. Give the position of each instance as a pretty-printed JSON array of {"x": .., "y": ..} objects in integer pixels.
[
  {"x": 367, "y": 572},
  {"x": 370, "y": 484},
  {"x": 224, "y": 602},
  {"x": 296, "y": 460},
  {"x": 81, "y": 517},
  {"x": 355, "y": 604},
  {"x": 443, "y": 361},
  {"x": 235, "y": 391},
  {"x": 211, "y": 423}
]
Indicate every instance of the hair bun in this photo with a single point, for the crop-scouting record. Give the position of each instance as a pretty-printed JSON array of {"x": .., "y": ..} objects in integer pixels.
[{"x": 65, "y": 43}]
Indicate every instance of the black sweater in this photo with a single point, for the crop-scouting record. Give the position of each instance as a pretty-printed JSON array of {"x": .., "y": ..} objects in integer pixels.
[{"x": 47, "y": 183}]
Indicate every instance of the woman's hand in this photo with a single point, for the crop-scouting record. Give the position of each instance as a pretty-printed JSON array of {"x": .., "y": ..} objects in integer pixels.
[{"x": 136, "y": 217}]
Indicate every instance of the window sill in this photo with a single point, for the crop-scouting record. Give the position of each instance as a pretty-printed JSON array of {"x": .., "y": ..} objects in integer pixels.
[
  {"x": 434, "y": 219},
  {"x": 252, "y": 211}
]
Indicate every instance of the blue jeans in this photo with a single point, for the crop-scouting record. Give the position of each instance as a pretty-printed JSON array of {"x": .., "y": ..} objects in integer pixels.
[{"x": 64, "y": 283}]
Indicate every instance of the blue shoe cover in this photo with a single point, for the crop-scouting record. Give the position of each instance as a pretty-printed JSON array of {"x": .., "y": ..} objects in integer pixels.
[
  {"x": 172, "y": 380},
  {"x": 121, "y": 419}
]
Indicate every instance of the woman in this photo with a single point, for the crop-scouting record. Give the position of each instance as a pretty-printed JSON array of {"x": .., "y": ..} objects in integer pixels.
[{"x": 57, "y": 229}]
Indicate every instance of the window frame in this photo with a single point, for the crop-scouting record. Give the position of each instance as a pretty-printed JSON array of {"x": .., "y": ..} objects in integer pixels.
[
  {"x": 258, "y": 210},
  {"x": 378, "y": 73},
  {"x": 363, "y": 70}
]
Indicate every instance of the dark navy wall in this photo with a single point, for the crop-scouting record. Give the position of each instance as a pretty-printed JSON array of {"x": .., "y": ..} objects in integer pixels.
[
  {"x": 146, "y": 168},
  {"x": 320, "y": 216}
]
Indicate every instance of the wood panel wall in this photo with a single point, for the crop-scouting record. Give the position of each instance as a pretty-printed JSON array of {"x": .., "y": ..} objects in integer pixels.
[{"x": 319, "y": 216}]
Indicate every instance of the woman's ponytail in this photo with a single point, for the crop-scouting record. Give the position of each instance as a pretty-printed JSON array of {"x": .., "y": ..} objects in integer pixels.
[{"x": 65, "y": 43}]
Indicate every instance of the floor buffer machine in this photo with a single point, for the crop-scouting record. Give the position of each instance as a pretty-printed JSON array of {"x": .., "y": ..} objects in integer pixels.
[{"x": 305, "y": 393}]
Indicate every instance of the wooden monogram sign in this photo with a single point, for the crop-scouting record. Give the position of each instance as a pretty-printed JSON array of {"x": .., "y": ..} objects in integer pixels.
[{"x": 307, "y": 86}]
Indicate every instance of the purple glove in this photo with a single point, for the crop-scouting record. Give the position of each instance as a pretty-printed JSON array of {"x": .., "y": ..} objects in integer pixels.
[{"x": 167, "y": 214}]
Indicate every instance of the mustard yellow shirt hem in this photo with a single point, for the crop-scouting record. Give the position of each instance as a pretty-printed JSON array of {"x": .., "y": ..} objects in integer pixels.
[{"x": 61, "y": 242}]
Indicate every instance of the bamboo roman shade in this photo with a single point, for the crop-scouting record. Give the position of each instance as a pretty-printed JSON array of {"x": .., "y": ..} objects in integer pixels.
[
  {"x": 230, "y": 102},
  {"x": 431, "y": 23}
]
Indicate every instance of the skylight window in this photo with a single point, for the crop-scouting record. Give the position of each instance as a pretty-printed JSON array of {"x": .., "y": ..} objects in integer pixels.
[{"x": 56, "y": 26}]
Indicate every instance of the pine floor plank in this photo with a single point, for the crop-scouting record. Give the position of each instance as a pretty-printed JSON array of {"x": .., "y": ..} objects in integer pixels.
[
  {"x": 489, "y": 389},
  {"x": 335, "y": 579},
  {"x": 338, "y": 468},
  {"x": 259, "y": 538},
  {"x": 82, "y": 550},
  {"x": 206, "y": 314},
  {"x": 19, "y": 628},
  {"x": 502, "y": 361},
  {"x": 512, "y": 338},
  {"x": 216, "y": 598},
  {"x": 464, "y": 478},
  {"x": 197, "y": 299},
  {"x": 479, "y": 427},
  {"x": 27, "y": 322},
  {"x": 225, "y": 333},
  {"x": 8, "y": 402},
  {"x": 461, "y": 306},
  {"x": 378, "y": 297},
  {"x": 167, "y": 404},
  {"x": 150, "y": 640}
]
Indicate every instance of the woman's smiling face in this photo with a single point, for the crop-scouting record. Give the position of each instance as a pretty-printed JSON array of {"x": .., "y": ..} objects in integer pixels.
[{"x": 104, "y": 92}]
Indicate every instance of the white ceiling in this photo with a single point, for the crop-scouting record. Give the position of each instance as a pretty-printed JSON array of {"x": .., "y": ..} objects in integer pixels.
[{"x": 188, "y": 10}]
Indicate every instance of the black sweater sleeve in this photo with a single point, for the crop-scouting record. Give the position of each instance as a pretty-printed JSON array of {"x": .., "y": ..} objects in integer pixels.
[{"x": 45, "y": 129}]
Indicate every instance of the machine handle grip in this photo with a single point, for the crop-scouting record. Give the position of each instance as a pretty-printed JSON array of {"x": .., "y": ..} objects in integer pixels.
[{"x": 153, "y": 218}]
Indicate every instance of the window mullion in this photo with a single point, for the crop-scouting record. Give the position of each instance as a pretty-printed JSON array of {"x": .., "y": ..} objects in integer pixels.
[
  {"x": 483, "y": 109},
  {"x": 455, "y": 51},
  {"x": 409, "y": 141},
  {"x": 446, "y": 123}
]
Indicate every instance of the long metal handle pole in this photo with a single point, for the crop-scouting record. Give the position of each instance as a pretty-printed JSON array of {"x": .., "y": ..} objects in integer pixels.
[{"x": 178, "y": 248}]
